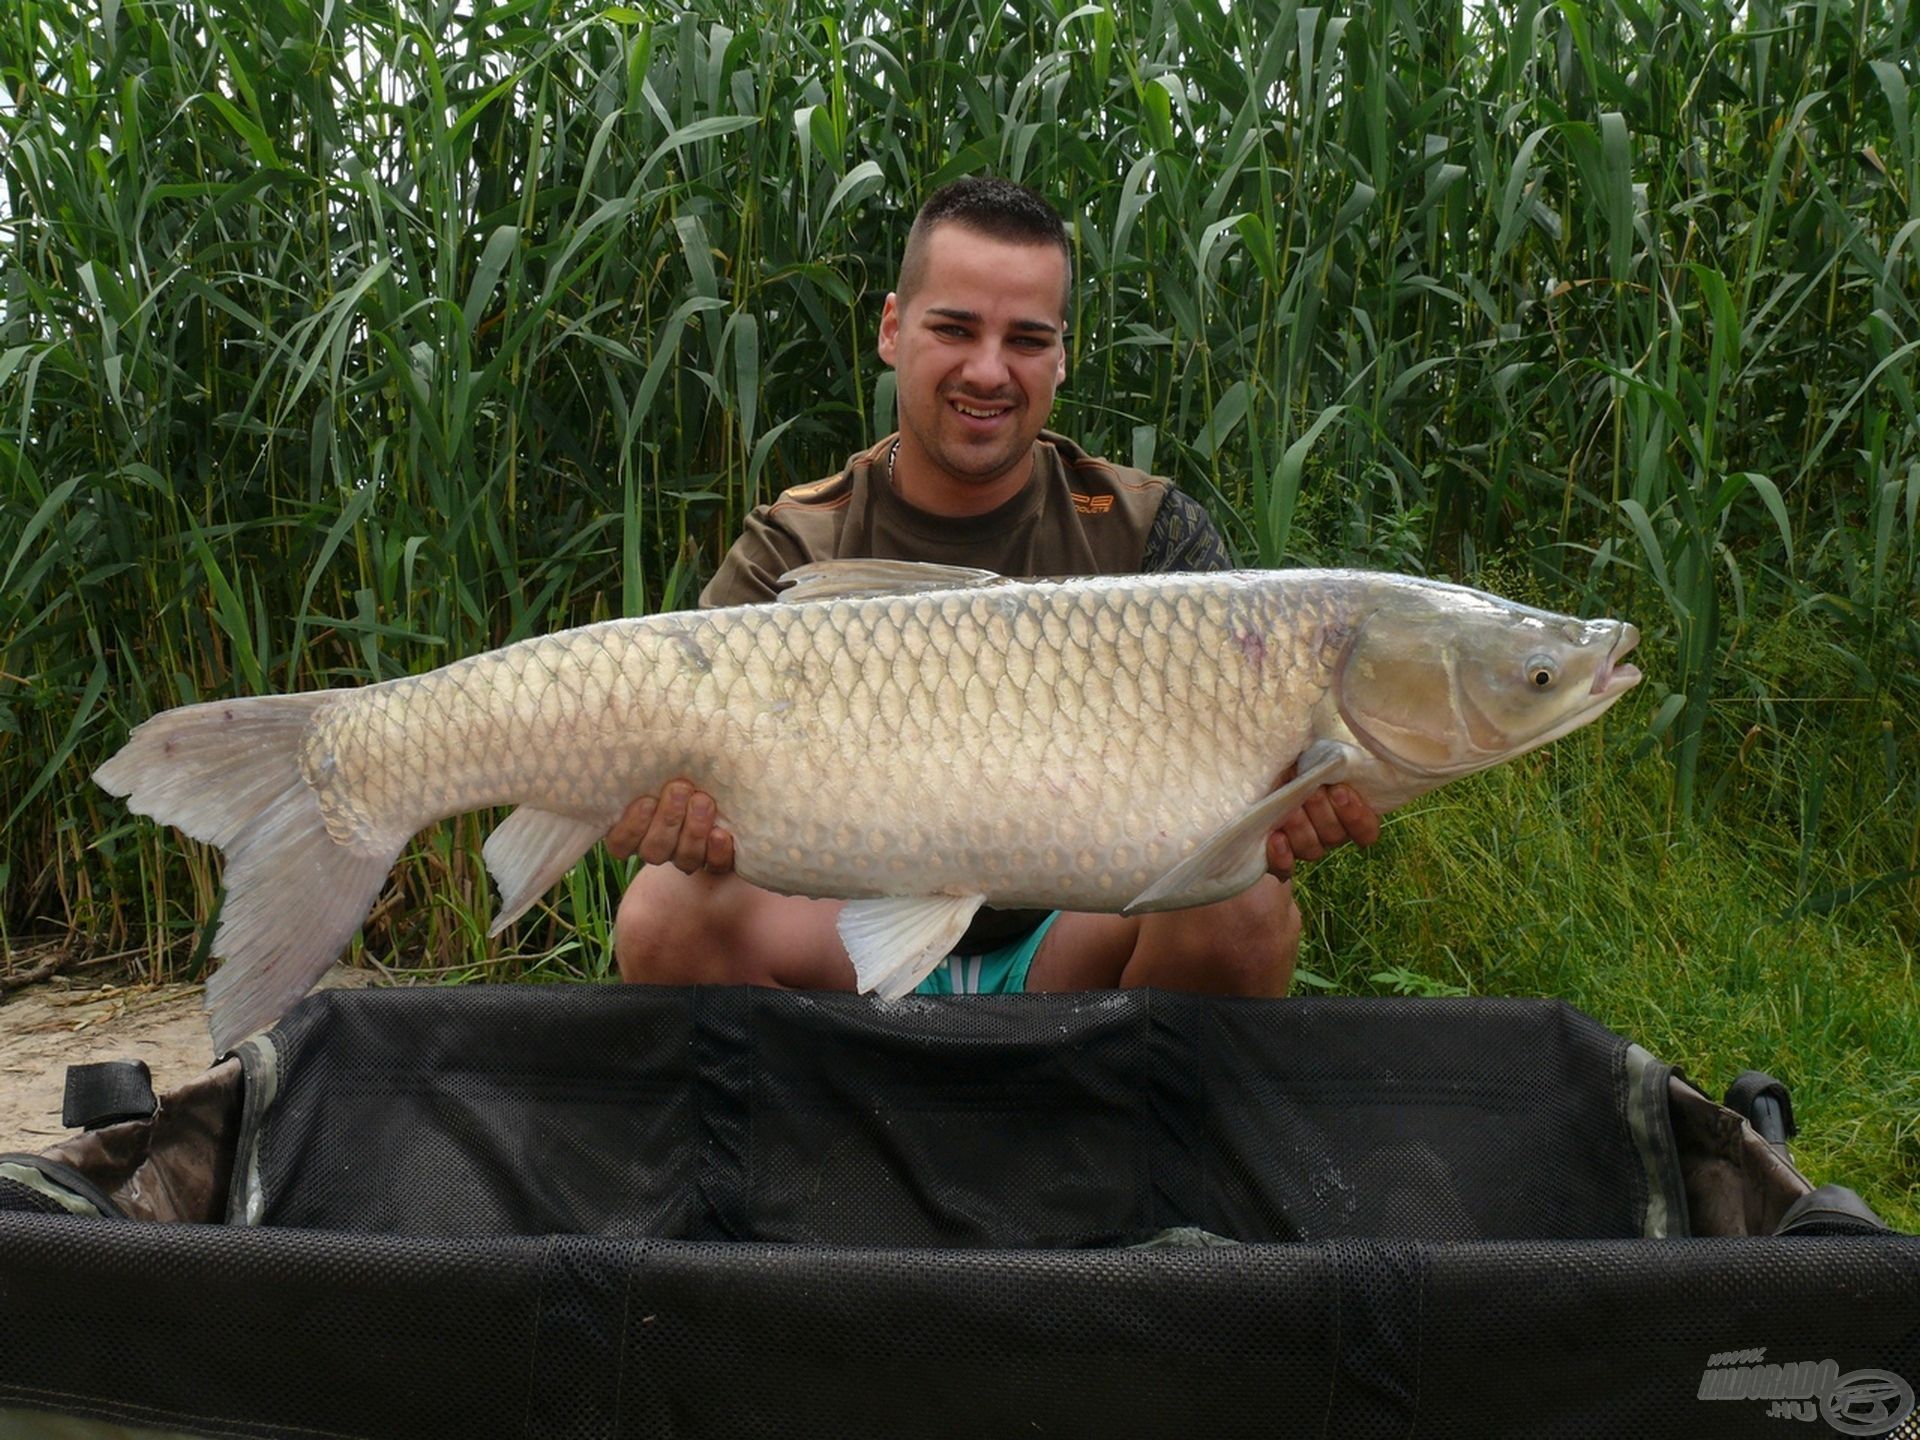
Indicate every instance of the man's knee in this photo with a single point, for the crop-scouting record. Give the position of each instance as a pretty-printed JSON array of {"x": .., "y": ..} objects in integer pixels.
[
  {"x": 1254, "y": 950},
  {"x": 1246, "y": 945},
  {"x": 1269, "y": 970},
  {"x": 659, "y": 930},
  {"x": 705, "y": 929}
]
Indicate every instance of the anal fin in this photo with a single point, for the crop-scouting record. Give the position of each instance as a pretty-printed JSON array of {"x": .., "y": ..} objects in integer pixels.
[
  {"x": 529, "y": 851},
  {"x": 895, "y": 942},
  {"x": 1235, "y": 854}
]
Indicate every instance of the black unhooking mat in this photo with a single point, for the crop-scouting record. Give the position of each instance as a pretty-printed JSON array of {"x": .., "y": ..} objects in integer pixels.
[{"x": 635, "y": 1212}]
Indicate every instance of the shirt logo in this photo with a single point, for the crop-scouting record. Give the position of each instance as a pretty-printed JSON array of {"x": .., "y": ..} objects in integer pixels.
[{"x": 1091, "y": 504}]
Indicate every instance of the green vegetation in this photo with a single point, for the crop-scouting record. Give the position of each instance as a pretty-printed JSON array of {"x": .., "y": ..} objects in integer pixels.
[{"x": 339, "y": 341}]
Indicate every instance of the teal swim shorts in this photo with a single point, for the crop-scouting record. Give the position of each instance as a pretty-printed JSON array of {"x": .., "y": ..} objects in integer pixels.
[{"x": 993, "y": 972}]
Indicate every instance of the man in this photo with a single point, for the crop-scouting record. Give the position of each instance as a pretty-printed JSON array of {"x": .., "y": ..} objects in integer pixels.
[{"x": 976, "y": 336}]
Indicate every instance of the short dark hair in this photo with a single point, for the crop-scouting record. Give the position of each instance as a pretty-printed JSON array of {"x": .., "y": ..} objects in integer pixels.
[{"x": 1000, "y": 209}]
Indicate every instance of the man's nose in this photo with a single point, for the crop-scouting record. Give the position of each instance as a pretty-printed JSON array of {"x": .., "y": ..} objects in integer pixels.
[{"x": 985, "y": 369}]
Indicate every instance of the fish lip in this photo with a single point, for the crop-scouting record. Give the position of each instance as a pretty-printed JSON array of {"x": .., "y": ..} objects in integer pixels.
[{"x": 1612, "y": 677}]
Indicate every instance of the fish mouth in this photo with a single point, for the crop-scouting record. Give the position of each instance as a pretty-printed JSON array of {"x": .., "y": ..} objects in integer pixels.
[{"x": 1613, "y": 679}]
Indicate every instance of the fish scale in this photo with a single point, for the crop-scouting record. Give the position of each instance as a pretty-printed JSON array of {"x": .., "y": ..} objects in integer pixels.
[
  {"x": 1104, "y": 744},
  {"x": 1086, "y": 773}
]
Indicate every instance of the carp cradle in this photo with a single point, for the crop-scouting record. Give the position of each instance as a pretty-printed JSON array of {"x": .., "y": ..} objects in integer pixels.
[{"x": 626, "y": 1212}]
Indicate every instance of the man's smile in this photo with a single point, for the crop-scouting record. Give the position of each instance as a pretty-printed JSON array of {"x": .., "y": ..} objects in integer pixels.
[{"x": 980, "y": 414}]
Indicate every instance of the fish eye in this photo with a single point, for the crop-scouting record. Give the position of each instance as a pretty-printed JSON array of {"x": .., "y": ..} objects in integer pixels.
[{"x": 1542, "y": 671}]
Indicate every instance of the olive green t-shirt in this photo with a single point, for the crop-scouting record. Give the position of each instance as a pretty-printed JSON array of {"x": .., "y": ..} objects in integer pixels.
[{"x": 1078, "y": 515}]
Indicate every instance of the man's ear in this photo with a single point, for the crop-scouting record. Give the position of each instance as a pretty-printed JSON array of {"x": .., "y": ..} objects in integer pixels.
[
  {"x": 1060, "y": 370},
  {"x": 889, "y": 341}
]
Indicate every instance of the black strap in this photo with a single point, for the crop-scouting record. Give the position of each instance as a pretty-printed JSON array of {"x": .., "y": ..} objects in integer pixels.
[
  {"x": 1830, "y": 1210},
  {"x": 107, "y": 1093},
  {"x": 1766, "y": 1103}
]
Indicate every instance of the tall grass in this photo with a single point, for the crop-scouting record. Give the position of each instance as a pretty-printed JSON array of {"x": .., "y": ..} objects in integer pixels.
[{"x": 339, "y": 341}]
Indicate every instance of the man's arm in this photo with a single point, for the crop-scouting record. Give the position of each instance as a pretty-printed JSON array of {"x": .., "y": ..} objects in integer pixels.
[
  {"x": 750, "y": 572},
  {"x": 1184, "y": 537}
]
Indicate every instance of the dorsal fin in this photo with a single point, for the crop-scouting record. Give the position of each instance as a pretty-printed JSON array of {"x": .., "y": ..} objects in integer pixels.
[{"x": 859, "y": 579}]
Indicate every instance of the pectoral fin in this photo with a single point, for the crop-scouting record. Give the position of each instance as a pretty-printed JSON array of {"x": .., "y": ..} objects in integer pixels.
[
  {"x": 1235, "y": 854},
  {"x": 529, "y": 851},
  {"x": 895, "y": 942}
]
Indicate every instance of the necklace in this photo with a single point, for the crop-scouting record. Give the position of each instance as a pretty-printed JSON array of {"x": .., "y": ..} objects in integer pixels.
[{"x": 893, "y": 454}]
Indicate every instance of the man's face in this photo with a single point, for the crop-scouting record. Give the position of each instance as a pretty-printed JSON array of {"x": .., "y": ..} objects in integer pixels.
[{"x": 978, "y": 352}]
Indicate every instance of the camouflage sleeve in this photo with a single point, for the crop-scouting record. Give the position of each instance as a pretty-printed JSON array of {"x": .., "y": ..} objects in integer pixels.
[
  {"x": 750, "y": 572},
  {"x": 1183, "y": 537}
]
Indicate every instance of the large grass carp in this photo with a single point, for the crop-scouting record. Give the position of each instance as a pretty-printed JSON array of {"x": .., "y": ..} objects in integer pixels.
[{"x": 916, "y": 739}]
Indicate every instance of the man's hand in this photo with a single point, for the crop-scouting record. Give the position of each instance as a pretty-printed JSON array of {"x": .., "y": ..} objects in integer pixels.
[
  {"x": 1332, "y": 815},
  {"x": 674, "y": 827}
]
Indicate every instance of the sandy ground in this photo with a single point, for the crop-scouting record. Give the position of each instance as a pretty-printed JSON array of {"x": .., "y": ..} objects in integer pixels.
[{"x": 47, "y": 1027}]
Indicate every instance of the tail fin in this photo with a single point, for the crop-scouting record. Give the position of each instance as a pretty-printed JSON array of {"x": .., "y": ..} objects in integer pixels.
[{"x": 229, "y": 773}]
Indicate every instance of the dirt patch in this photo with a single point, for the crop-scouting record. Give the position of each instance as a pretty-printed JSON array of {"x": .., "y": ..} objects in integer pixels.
[{"x": 45, "y": 1028}]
